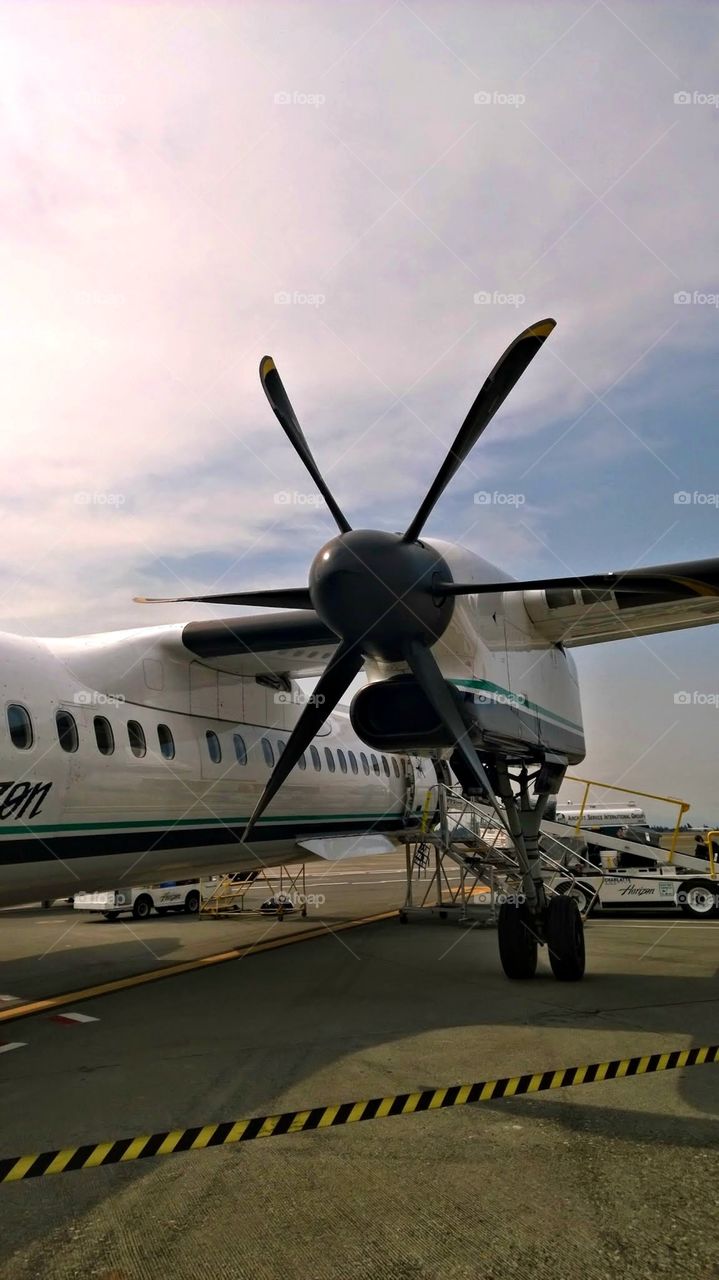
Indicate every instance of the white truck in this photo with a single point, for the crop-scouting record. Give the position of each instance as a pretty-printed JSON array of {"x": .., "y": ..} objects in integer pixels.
[{"x": 173, "y": 895}]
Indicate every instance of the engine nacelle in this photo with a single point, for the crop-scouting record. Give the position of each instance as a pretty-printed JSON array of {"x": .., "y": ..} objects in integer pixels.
[{"x": 394, "y": 715}]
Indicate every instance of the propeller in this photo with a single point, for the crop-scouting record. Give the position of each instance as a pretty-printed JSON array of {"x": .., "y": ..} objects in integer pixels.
[{"x": 384, "y": 595}]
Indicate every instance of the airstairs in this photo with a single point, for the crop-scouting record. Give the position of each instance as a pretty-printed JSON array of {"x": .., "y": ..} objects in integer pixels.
[{"x": 464, "y": 865}]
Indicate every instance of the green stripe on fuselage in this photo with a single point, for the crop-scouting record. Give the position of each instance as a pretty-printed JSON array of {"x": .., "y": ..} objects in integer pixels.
[{"x": 517, "y": 700}]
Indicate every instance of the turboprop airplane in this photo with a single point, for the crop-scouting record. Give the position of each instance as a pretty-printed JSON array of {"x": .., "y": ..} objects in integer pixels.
[{"x": 163, "y": 747}]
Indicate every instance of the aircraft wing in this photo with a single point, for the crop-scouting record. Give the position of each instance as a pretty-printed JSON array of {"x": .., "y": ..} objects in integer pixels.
[
  {"x": 679, "y": 596},
  {"x": 295, "y": 643}
]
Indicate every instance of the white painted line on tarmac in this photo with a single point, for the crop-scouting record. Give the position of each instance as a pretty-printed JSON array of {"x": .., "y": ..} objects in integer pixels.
[
  {"x": 6, "y": 1046},
  {"x": 644, "y": 924},
  {"x": 73, "y": 1018}
]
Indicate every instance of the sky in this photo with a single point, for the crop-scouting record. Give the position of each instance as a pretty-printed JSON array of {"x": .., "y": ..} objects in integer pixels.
[{"x": 381, "y": 196}]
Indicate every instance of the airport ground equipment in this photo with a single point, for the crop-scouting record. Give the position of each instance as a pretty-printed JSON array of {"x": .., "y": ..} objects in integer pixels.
[
  {"x": 231, "y": 891},
  {"x": 468, "y": 871}
]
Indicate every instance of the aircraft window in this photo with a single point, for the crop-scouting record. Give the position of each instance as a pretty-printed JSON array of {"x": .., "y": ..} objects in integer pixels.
[
  {"x": 240, "y": 748},
  {"x": 330, "y": 760},
  {"x": 104, "y": 736},
  {"x": 315, "y": 758},
  {"x": 66, "y": 731},
  {"x": 353, "y": 761},
  {"x": 395, "y": 766},
  {"x": 166, "y": 741},
  {"x": 267, "y": 752},
  {"x": 213, "y": 746},
  {"x": 20, "y": 726},
  {"x": 341, "y": 758},
  {"x": 365, "y": 762},
  {"x": 136, "y": 735},
  {"x": 302, "y": 762},
  {"x": 375, "y": 764},
  {"x": 281, "y": 744},
  {"x": 385, "y": 765}
]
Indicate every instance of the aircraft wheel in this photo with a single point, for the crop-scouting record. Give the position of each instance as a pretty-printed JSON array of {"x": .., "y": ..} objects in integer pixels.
[
  {"x": 565, "y": 939},
  {"x": 517, "y": 941},
  {"x": 699, "y": 898}
]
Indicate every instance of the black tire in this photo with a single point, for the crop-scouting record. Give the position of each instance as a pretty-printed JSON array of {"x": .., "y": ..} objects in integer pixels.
[
  {"x": 111, "y": 915},
  {"x": 699, "y": 899},
  {"x": 142, "y": 907},
  {"x": 564, "y": 930},
  {"x": 192, "y": 902},
  {"x": 517, "y": 941}
]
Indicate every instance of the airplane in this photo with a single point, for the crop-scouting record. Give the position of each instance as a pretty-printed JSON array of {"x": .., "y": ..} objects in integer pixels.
[{"x": 161, "y": 748}]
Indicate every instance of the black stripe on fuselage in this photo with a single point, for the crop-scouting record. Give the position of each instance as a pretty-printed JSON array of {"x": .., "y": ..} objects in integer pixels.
[{"x": 97, "y": 844}]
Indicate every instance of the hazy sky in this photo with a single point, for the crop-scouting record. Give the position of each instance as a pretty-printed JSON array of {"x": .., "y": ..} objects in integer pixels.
[{"x": 381, "y": 195}]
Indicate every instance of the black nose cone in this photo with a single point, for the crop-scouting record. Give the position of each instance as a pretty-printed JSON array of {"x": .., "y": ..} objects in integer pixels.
[{"x": 372, "y": 588}]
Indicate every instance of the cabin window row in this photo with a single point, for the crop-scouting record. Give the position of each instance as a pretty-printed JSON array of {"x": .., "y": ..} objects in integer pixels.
[{"x": 21, "y": 735}]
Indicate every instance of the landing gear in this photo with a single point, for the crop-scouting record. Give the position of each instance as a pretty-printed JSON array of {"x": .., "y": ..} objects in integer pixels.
[
  {"x": 564, "y": 933},
  {"x": 556, "y": 921},
  {"x": 518, "y": 941}
]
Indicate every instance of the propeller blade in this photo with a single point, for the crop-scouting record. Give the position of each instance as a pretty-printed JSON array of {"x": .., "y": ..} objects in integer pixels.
[
  {"x": 427, "y": 673},
  {"x": 507, "y": 371},
  {"x": 282, "y": 598},
  {"x": 596, "y": 583},
  {"x": 339, "y": 673},
  {"x": 285, "y": 414}
]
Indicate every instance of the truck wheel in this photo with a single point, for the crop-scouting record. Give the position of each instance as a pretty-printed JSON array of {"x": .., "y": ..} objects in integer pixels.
[
  {"x": 517, "y": 941},
  {"x": 565, "y": 939},
  {"x": 111, "y": 915},
  {"x": 142, "y": 907},
  {"x": 583, "y": 895},
  {"x": 192, "y": 902},
  {"x": 699, "y": 898}
]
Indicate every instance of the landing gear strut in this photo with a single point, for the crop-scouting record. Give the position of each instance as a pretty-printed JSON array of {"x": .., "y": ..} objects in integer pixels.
[{"x": 556, "y": 922}]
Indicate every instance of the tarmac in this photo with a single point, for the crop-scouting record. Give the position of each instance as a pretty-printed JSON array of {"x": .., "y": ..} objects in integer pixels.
[{"x": 617, "y": 1177}]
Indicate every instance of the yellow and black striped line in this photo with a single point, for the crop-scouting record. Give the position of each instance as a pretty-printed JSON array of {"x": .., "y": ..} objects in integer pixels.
[{"x": 91, "y": 1155}]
